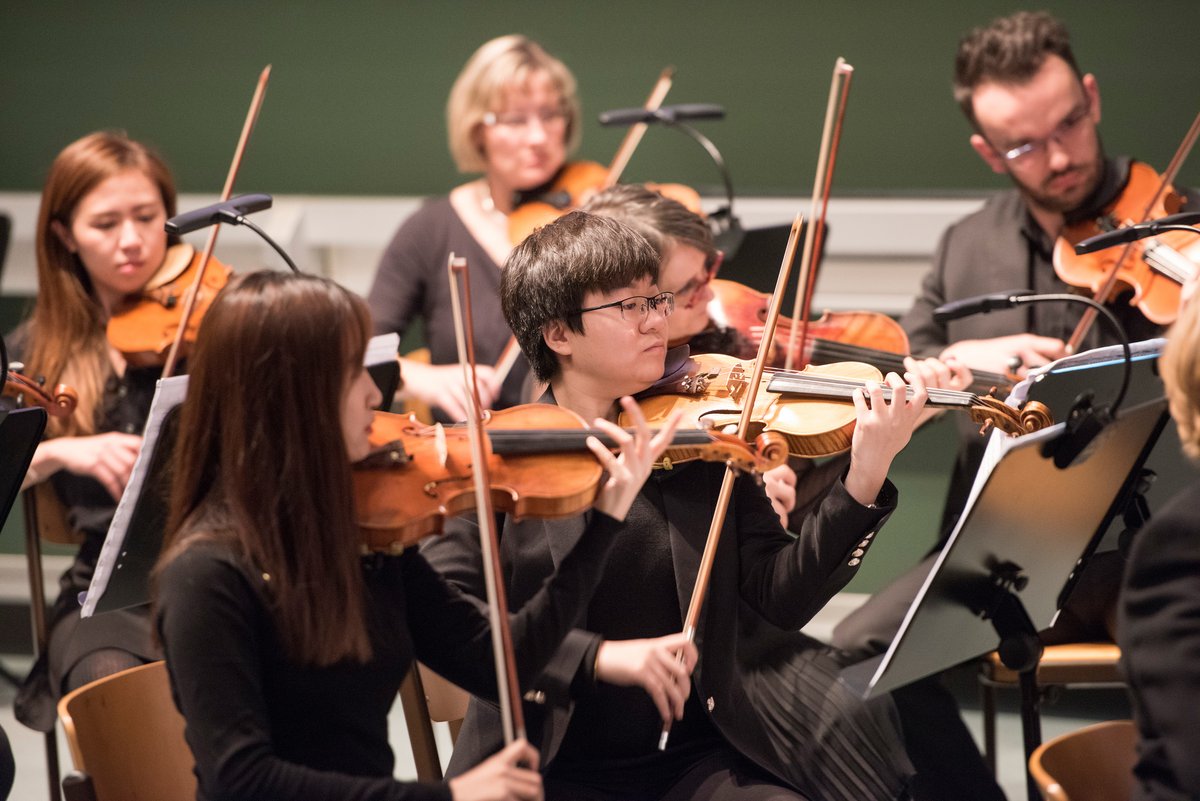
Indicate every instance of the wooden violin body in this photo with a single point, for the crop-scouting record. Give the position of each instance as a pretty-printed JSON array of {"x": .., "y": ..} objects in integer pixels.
[
  {"x": 146, "y": 327},
  {"x": 868, "y": 333},
  {"x": 1154, "y": 269},
  {"x": 811, "y": 408},
  {"x": 859, "y": 336},
  {"x": 573, "y": 186},
  {"x": 419, "y": 475}
]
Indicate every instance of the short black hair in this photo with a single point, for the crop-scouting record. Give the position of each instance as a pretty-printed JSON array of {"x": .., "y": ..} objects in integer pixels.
[{"x": 547, "y": 276}]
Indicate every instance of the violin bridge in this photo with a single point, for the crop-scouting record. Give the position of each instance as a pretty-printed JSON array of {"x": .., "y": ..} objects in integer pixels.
[{"x": 439, "y": 441}]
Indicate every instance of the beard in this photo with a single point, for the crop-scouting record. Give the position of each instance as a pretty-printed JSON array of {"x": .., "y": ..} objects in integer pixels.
[{"x": 1087, "y": 175}]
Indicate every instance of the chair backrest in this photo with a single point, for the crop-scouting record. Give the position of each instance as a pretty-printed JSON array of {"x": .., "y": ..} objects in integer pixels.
[
  {"x": 127, "y": 736},
  {"x": 1094, "y": 763}
]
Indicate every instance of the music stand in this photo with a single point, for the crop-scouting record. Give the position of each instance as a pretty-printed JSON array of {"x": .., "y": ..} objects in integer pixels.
[
  {"x": 20, "y": 432},
  {"x": 134, "y": 539},
  {"x": 998, "y": 580}
]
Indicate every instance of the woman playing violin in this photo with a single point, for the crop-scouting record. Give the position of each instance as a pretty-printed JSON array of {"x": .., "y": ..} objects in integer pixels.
[
  {"x": 286, "y": 646},
  {"x": 512, "y": 115},
  {"x": 100, "y": 239},
  {"x": 583, "y": 297}
]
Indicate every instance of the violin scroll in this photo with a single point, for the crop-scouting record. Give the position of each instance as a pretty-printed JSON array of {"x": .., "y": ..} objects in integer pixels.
[
  {"x": 58, "y": 403},
  {"x": 990, "y": 412}
]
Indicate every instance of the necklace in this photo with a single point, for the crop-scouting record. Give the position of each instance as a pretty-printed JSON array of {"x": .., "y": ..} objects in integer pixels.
[{"x": 487, "y": 202}]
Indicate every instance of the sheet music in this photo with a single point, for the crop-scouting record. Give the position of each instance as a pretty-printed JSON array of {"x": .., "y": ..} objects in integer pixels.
[{"x": 169, "y": 393}]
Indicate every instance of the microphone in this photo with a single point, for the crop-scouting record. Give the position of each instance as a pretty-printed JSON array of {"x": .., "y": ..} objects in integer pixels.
[
  {"x": 980, "y": 304},
  {"x": 1085, "y": 421},
  {"x": 668, "y": 115},
  {"x": 229, "y": 211},
  {"x": 1132, "y": 233}
]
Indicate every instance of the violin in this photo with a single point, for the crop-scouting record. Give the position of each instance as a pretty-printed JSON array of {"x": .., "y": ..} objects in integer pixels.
[
  {"x": 418, "y": 475},
  {"x": 1154, "y": 269},
  {"x": 26, "y": 392},
  {"x": 860, "y": 336},
  {"x": 811, "y": 408},
  {"x": 571, "y": 188},
  {"x": 579, "y": 180},
  {"x": 148, "y": 324}
]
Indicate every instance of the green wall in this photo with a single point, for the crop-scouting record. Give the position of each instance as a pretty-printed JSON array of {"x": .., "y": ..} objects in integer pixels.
[
  {"x": 356, "y": 98},
  {"x": 356, "y": 101}
]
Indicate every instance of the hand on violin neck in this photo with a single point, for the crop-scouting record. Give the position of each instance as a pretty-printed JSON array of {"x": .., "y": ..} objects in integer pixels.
[
  {"x": 935, "y": 373},
  {"x": 441, "y": 385},
  {"x": 655, "y": 666},
  {"x": 880, "y": 432},
  {"x": 638, "y": 450},
  {"x": 999, "y": 354}
]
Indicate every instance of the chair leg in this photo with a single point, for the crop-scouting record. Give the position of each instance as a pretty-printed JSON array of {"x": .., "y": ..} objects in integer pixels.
[
  {"x": 420, "y": 729},
  {"x": 987, "y": 703},
  {"x": 1031, "y": 725},
  {"x": 37, "y": 614}
]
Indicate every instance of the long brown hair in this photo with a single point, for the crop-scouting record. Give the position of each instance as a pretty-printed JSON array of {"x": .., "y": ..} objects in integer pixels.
[
  {"x": 67, "y": 325},
  {"x": 260, "y": 463}
]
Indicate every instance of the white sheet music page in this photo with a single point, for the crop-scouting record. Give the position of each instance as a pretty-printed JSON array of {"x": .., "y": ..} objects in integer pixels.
[{"x": 168, "y": 394}]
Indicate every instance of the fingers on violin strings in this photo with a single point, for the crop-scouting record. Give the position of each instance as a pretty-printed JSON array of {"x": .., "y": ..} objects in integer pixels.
[
  {"x": 602, "y": 453},
  {"x": 619, "y": 435},
  {"x": 899, "y": 389}
]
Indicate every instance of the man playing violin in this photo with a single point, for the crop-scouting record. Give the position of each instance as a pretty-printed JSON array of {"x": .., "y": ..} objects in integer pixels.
[
  {"x": 582, "y": 296},
  {"x": 689, "y": 261},
  {"x": 1034, "y": 117}
]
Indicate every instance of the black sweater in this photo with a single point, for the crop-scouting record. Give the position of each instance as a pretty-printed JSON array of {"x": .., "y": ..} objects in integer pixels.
[{"x": 262, "y": 726}]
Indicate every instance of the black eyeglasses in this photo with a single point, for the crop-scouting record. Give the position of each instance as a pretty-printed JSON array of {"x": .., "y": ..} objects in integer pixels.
[
  {"x": 712, "y": 263},
  {"x": 637, "y": 308},
  {"x": 1064, "y": 132}
]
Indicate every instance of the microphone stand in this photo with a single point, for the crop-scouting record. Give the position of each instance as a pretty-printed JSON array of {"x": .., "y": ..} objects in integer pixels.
[
  {"x": 725, "y": 226},
  {"x": 229, "y": 213},
  {"x": 1085, "y": 420}
]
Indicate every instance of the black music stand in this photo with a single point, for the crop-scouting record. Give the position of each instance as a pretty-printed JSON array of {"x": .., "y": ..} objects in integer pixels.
[
  {"x": 20, "y": 432},
  {"x": 999, "y": 578}
]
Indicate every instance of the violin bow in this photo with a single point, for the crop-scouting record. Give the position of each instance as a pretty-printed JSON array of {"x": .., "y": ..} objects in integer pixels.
[
  {"x": 831, "y": 137},
  {"x": 704, "y": 574},
  {"x": 633, "y": 137},
  {"x": 1110, "y": 279},
  {"x": 193, "y": 292},
  {"x": 512, "y": 715}
]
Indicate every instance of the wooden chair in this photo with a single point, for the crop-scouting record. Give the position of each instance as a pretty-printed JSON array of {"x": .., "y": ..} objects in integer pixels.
[
  {"x": 427, "y": 698},
  {"x": 1073, "y": 665},
  {"x": 1094, "y": 763},
  {"x": 126, "y": 739},
  {"x": 45, "y": 519}
]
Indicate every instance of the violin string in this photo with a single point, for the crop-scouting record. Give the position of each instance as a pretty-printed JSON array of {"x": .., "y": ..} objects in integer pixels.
[
  {"x": 948, "y": 396},
  {"x": 840, "y": 351}
]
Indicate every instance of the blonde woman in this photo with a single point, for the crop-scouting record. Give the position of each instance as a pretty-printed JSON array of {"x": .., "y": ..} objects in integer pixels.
[{"x": 512, "y": 116}]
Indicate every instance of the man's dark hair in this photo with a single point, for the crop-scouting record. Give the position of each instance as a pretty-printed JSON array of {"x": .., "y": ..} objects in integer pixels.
[
  {"x": 547, "y": 276},
  {"x": 1008, "y": 50}
]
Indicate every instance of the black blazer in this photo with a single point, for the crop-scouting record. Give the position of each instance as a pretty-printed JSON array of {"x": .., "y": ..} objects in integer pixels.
[
  {"x": 1159, "y": 634},
  {"x": 771, "y": 691}
]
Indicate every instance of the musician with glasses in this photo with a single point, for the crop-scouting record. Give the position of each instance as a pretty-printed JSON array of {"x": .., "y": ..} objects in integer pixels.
[
  {"x": 513, "y": 116},
  {"x": 754, "y": 722},
  {"x": 689, "y": 261},
  {"x": 1034, "y": 117}
]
